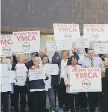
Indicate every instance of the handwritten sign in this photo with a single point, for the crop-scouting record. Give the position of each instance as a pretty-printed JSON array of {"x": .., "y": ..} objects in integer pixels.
[
  {"x": 66, "y": 32},
  {"x": 96, "y": 32},
  {"x": 52, "y": 69},
  {"x": 26, "y": 42},
  {"x": 6, "y": 45},
  {"x": 82, "y": 43},
  {"x": 85, "y": 80},
  {"x": 36, "y": 74},
  {"x": 101, "y": 48}
]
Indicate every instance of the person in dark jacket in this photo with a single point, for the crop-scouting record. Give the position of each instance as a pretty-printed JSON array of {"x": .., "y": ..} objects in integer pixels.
[{"x": 37, "y": 85}]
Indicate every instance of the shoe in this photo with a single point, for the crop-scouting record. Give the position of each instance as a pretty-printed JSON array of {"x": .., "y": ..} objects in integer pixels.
[{"x": 60, "y": 110}]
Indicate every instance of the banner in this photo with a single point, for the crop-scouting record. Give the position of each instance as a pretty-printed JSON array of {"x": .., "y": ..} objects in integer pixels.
[
  {"x": 85, "y": 80},
  {"x": 101, "y": 48},
  {"x": 66, "y": 32},
  {"x": 26, "y": 42},
  {"x": 6, "y": 45},
  {"x": 82, "y": 43},
  {"x": 96, "y": 32}
]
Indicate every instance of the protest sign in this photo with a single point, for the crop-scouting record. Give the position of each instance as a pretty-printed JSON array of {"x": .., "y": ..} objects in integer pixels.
[
  {"x": 5, "y": 87},
  {"x": 51, "y": 69},
  {"x": 82, "y": 43},
  {"x": 6, "y": 76},
  {"x": 36, "y": 74},
  {"x": 101, "y": 48},
  {"x": 85, "y": 80},
  {"x": 51, "y": 45},
  {"x": 96, "y": 32},
  {"x": 6, "y": 45},
  {"x": 59, "y": 45},
  {"x": 64, "y": 44},
  {"x": 66, "y": 32},
  {"x": 26, "y": 42}
]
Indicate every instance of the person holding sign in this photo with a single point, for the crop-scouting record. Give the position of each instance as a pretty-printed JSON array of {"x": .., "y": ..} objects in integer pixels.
[
  {"x": 5, "y": 83},
  {"x": 71, "y": 96},
  {"x": 37, "y": 86},
  {"x": 90, "y": 62},
  {"x": 48, "y": 86},
  {"x": 20, "y": 85}
]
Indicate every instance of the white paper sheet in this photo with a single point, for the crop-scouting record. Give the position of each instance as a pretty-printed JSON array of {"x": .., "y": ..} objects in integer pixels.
[
  {"x": 36, "y": 74},
  {"x": 52, "y": 69}
]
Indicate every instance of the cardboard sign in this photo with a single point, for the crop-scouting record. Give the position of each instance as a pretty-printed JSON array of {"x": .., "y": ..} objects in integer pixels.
[
  {"x": 101, "y": 48},
  {"x": 66, "y": 32},
  {"x": 6, "y": 45},
  {"x": 96, "y": 32},
  {"x": 82, "y": 43},
  {"x": 52, "y": 69},
  {"x": 85, "y": 80},
  {"x": 26, "y": 42}
]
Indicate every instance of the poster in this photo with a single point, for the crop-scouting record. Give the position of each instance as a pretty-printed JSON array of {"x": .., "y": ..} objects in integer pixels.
[
  {"x": 96, "y": 32},
  {"x": 51, "y": 46},
  {"x": 82, "y": 43},
  {"x": 36, "y": 74},
  {"x": 26, "y": 42},
  {"x": 52, "y": 69},
  {"x": 6, "y": 45},
  {"x": 101, "y": 48},
  {"x": 66, "y": 32},
  {"x": 85, "y": 80},
  {"x": 64, "y": 44},
  {"x": 59, "y": 45}
]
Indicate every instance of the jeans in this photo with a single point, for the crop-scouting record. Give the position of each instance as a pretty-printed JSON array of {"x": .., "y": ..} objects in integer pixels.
[{"x": 51, "y": 95}]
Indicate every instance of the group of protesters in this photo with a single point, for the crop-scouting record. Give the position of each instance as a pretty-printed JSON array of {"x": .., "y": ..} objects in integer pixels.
[{"x": 33, "y": 93}]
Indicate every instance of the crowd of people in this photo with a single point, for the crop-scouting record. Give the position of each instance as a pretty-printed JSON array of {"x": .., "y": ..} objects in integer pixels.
[{"x": 34, "y": 92}]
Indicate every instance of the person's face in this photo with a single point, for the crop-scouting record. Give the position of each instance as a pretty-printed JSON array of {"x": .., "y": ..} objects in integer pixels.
[
  {"x": 45, "y": 60},
  {"x": 65, "y": 55},
  {"x": 36, "y": 62},
  {"x": 91, "y": 54},
  {"x": 74, "y": 61},
  {"x": 21, "y": 60}
]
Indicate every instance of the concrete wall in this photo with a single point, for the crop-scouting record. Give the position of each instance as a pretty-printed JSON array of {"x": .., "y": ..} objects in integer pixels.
[{"x": 43, "y": 13}]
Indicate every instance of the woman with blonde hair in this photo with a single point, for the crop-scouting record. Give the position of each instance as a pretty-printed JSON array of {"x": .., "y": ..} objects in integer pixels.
[{"x": 20, "y": 85}]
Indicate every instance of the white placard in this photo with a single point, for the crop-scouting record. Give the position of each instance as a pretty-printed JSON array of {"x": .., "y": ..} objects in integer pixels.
[
  {"x": 82, "y": 43},
  {"x": 64, "y": 44},
  {"x": 85, "y": 80},
  {"x": 5, "y": 87},
  {"x": 20, "y": 79},
  {"x": 52, "y": 69},
  {"x": 59, "y": 45},
  {"x": 26, "y": 42},
  {"x": 36, "y": 74},
  {"x": 51, "y": 45},
  {"x": 6, "y": 45},
  {"x": 101, "y": 48},
  {"x": 96, "y": 32},
  {"x": 66, "y": 32}
]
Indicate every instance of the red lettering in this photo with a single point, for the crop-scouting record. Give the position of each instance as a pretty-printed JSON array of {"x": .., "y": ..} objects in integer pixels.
[
  {"x": 5, "y": 42},
  {"x": 95, "y": 75}
]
